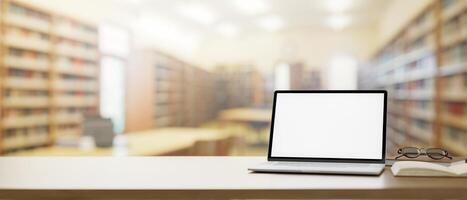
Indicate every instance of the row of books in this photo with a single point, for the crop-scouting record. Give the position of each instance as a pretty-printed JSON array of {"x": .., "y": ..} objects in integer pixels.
[
  {"x": 28, "y": 40},
  {"x": 21, "y": 16},
  {"x": 455, "y": 114},
  {"x": 421, "y": 130},
  {"x": 422, "y": 25},
  {"x": 34, "y": 61},
  {"x": 25, "y": 64},
  {"x": 25, "y": 137},
  {"x": 455, "y": 140},
  {"x": 41, "y": 119},
  {"x": 455, "y": 83},
  {"x": 455, "y": 54},
  {"x": 75, "y": 31},
  {"x": 36, "y": 41},
  {"x": 424, "y": 68},
  {"x": 421, "y": 109},
  {"x": 451, "y": 9},
  {"x": 40, "y": 24},
  {"x": 77, "y": 50},
  {"x": 27, "y": 12},
  {"x": 425, "y": 42}
]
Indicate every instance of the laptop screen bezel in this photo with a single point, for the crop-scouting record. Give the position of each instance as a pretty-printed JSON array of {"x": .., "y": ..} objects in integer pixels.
[{"x": 315, "y": 159}]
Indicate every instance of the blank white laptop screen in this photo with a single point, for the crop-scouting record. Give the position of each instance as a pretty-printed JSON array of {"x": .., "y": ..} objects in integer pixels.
[{"x": 328, "y": 125}]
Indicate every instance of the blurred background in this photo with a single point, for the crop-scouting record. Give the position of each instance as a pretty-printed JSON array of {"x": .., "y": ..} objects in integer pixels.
[{"x": 196, "y": 77}]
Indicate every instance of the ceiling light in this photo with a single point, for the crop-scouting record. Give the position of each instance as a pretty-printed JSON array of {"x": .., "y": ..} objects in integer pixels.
[
  {"x": 271, "y": 23},
  {"x": 198, "y": 13},
  {"x": 227, "y": 29},
  {"x": 338, "y": 5},
  {"x": 252, "y": 7},
  {"x": 164, "y": 32},
  {"x": 338, "y": 22},
  {"x": 135, "y": 2}
]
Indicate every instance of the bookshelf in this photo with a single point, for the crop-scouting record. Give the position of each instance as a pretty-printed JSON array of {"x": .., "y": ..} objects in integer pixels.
[
  {"x": 75, "y": 80},
  {"x": 239, "y": 86},
  {"x": 49, "y": 75},
  {"x": 423, "y": 69},
  {"x": 163, "y": 91},
  {"x": 453, "y": 76}
]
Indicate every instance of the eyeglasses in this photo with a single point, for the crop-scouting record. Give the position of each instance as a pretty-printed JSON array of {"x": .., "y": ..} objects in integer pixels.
[{"x": 414, "y": 152}]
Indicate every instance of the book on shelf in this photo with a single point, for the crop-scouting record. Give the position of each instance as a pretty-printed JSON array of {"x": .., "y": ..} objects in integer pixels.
[{"x": 420, "y": 168}]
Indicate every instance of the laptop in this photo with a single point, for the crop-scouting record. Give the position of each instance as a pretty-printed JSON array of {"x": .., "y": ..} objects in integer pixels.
[{"x": 327, "y": 132}]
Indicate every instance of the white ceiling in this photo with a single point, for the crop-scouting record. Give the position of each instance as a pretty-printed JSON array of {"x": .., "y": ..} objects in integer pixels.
[
  {"x": 294, "y": 13},
  {"x": 161, "y": 23}
]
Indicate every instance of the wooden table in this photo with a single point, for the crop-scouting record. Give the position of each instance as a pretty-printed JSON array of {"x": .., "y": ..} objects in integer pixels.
[
  {"x": 256, "y": 118},
  {"x": 199, "y": 177},
  {"x": 246, "y": 115},
  {"x": 166, "y": 141}
]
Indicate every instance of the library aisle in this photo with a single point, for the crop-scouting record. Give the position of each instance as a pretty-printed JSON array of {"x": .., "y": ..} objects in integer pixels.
[{"x": 190, "y": 77}]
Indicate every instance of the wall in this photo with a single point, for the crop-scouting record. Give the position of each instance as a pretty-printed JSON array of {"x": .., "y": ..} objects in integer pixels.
[
  {"x": 397, "y": 15},
  {"x": 313, "y": 46}
]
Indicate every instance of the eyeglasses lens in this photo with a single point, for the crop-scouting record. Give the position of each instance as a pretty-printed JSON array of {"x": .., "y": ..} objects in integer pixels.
[
  {"x": 436, "y": 153},
  {"x": 410, "y": 152}
]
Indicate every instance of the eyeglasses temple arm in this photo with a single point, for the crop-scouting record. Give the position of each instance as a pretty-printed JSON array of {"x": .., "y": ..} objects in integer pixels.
[{"x": 399, "y": 156}]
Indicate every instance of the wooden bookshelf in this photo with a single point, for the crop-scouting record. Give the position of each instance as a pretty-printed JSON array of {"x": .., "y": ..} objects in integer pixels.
[
  {"x": 76, "y": 75},
  {"x": 2, "y": 72},
  {"x": 423, "y": 67},
  {"x": 239, "y": 86},
  {"x": 453, "y": 76},
  {"x": 49, "y": 75},
  {"x": 163, "y": 91}
]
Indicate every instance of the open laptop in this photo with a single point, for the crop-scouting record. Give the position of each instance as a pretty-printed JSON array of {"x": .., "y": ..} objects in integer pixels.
[{"x": 327, "y": 131}]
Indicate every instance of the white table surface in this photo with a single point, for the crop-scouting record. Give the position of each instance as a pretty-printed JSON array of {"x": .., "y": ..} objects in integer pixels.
[{"x": 217, "y": 177}]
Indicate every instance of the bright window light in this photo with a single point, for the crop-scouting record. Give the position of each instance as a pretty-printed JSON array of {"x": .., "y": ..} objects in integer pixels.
[
  {"x": 227, "y": 29},
  {"x": 338, "y": 6},
  {"x": 338, "y": 22},
  {"x": 198, "y": 13},
  {"x": 114, "y": 41},
  {"x": 342, "y": 72},
  {"x": 252, "y": 7},
  {"x": 164, "y": 31},
  {"x": 282, "y": 77},
  {"x": 271, "y": 23}
]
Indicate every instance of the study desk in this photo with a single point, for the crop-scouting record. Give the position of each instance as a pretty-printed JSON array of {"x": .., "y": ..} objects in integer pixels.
[
  {"x": 199, "y": 177},
  {"x": 248, "y": 115},
  {"x": 256, "y": 118},
  {"x": 165, "y": 141}
]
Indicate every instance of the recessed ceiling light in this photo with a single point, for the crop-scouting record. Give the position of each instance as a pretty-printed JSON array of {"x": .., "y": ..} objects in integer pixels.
[
  {"x": 338, "y": 5},
  {"x": 252, "y": 7},
  {"x": 163, "y": 30},
  {"x": 338, "y": 22},
  {"x": 136, "y": 2},
  {"x": 197, "y": 12},
  {"x": 227, "y": 29},
  {"x": 271, "y": 22}
]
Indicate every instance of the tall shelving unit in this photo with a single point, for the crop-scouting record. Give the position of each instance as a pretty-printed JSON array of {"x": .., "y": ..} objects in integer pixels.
[
  {"x": 169, "y": 91},
  {"x": 33, "y": 76},
  {"x": 412, "y": 66},
  {"x": 26, "y": 71},
  {"x": 239, "y": 86},
  {"x": 2, "y": 70},
  {"x": 76, "y": 75},
  {"x": 453, "y": 75},
  {"x": 164, "y": 91}
]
